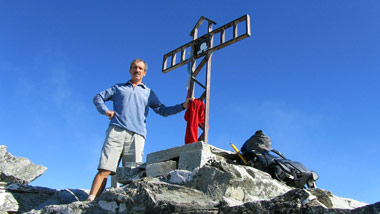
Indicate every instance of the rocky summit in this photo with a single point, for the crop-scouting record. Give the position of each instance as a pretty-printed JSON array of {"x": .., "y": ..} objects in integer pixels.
[{"x": 217, "y": 186}]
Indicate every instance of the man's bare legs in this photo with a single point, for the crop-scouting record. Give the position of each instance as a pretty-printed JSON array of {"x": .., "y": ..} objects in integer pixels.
[{"x": 99, "y": 183}]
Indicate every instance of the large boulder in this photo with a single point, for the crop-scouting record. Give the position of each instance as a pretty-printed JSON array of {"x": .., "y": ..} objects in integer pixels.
[
  {"x": 18, "y": 169},
  {"x": 236, "y": 182},
  {"x": 16, "y": 196}
]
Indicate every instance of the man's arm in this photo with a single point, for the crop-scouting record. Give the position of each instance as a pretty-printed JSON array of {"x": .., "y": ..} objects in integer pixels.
[
  {"x": 100, "y": 99},
  {"x": 163, "y": 110}
]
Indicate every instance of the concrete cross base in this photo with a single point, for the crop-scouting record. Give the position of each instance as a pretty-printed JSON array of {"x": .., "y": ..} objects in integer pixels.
[
  {"x": 190, "y": 156},
  {"x": 186, "y": 157}
]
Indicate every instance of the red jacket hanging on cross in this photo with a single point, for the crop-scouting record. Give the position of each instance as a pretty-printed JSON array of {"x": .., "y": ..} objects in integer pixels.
[{"x": 195, "y": 116}]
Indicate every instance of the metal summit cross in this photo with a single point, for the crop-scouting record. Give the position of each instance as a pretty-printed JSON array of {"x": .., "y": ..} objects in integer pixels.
[{"x": 204, "y": 46}]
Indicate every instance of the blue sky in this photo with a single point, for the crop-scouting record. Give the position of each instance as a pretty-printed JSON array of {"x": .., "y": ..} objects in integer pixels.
[{"x": 308, "y": 77}]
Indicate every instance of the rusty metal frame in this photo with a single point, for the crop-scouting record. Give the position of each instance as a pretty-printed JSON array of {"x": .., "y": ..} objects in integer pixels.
[{"x": 182, "y": 53}]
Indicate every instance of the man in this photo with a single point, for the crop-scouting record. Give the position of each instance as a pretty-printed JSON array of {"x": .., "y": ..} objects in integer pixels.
[{"x": 125, "y": 136}]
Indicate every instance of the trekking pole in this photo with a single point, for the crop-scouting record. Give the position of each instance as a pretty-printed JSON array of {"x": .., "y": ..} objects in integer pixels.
[{"x": 239, "y": 154}]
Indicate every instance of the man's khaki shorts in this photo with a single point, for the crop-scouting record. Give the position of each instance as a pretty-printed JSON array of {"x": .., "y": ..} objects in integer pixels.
[{"x": 120, "y": 144}]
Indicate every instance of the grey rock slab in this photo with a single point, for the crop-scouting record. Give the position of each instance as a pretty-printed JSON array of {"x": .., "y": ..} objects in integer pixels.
[
  {"x": 130, "y": 172},
  {"x": 161, "y": 168},
  {"x": 236, "y": 182},
  {"x": 18, "y": 169},
  {"x": 24, "y": 198}
]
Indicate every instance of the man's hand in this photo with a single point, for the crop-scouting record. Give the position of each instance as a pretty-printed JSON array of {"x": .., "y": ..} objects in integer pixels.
[
  {"x": 110, "y": 114},
  {"x": 186, "y": 103}
]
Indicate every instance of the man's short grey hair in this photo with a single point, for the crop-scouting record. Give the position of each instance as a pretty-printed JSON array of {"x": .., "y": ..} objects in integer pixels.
[{"x": 139, "y": 60}]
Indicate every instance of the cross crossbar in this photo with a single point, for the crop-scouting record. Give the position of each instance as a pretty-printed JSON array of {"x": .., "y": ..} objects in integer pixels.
[{"x": 182, "y": 51}]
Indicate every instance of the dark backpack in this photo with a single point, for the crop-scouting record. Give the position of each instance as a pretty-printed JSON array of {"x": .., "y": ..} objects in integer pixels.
[
  {"x": 259, "y": 154},
  {"x": 259, "y": 142}
]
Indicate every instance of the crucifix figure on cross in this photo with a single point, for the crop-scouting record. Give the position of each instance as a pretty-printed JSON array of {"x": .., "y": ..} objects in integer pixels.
[{"x": 204, "y": 46}]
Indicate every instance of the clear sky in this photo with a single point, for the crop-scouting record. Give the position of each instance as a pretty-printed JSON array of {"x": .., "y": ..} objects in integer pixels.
[{"x": 308, "y": 77}]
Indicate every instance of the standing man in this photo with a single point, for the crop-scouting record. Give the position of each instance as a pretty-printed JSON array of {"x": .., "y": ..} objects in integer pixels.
[{"x": 125, "y": 136}]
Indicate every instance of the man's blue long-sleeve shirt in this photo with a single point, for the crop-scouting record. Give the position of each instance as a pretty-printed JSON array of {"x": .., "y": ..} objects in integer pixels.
[{"x": 131, "y": 106}]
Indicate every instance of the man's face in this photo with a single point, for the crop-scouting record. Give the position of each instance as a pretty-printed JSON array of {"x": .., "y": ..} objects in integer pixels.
[{"x": 137, "y": 71}]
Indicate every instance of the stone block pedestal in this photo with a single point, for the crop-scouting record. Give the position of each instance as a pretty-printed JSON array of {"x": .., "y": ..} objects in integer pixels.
[
  {"x": 188, "y": 156},
  {"x": 185, "y": 157}
]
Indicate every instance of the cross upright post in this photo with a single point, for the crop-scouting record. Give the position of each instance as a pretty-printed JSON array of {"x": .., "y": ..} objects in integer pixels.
[{"x": 204, "y": 46}]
